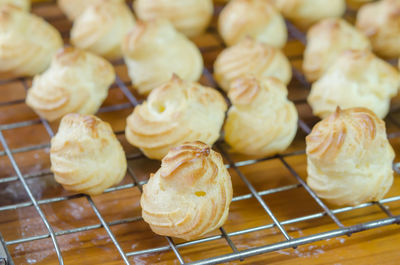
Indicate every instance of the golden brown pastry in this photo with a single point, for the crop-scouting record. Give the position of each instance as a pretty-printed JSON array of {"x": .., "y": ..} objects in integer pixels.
[
  {"x": 304, "y": 13},
  {"x": 116, "y": 21},
  {"x": 77, "y": 81},
  {"x": 326, "y": 41},
  {"x": 85, "y": 155},
  {"x": 255, "y": 18},
  {"x": 261, "y": 121},
  {"x": 191, "y": 17},
  {"x": 380, "y": 21},
  {"x": 73, "y": 8},
  {"x": 251, "y": 57},
  {"x": 27, "y": 43},
  {"x": 349, "y": 159},
  {"x": 356, "y": 79},
  {"x": 154, "y": 51},
  {"x": 189, "y": 195},
  {"x": 23, "y": 4},
  {"x": 176, "y": 112}
]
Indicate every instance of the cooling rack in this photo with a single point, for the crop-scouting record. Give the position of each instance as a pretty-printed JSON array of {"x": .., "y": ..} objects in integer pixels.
[{"x": 23, "y": 134}]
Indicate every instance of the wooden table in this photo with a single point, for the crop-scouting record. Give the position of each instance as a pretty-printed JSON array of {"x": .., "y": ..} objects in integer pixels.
[{"x": 94, "y": 246}]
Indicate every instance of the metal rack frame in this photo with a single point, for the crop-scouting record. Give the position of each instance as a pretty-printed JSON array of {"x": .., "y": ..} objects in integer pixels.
[{"x": 289, "y": 242}]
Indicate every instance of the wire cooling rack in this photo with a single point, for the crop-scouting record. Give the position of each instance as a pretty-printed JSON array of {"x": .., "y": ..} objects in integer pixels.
[{"x": 131, "y": 101}]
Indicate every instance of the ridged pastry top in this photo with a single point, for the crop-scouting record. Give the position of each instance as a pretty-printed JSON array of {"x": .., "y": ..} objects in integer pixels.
[
  {"x": 356, "y": 79},
  {"x": 251, "y": 57},
  {"x": 189, "y": 195},
  {"x": 77, "y": 81},
  {"x": 380, "y": 21},
  {"x": 154, "y": 51},
  {"x": 349, "y": 157},
  {"x": 85, "y": 155},
  {"x": 23, "y": 4},
  {"x": 73, "y": 8},
  {"x": 116, "y": 21},
  {"x": 176, "y": 112},
  {"x": 304, "y": 13},
  {"x": 255, "y": 18},
  {"x": 326, "y": 41},
  {"x": 27, "y": 43},
  {"x": 261, "y": 121},
  {"x": 191, "y": 17}
]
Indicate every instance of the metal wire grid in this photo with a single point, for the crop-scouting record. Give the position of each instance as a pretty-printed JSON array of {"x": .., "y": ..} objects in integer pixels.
[{"x": 170, "y": 245}]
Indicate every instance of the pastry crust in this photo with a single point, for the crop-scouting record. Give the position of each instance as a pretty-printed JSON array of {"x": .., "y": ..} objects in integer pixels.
[
  {"x": 326, "y": 41},
  {"x": 380, "y": 21},
  {"x": 77, "y": 81},
  {"x": 189, "y": 195},
  {"x": 154, "y": 51},
  {"x": 176, "y": 112},
  {"x": 304, "y": 13},
  {"x": 191, "y": 17},
  {"x": 116, "y": 21},
  {"x": 356, "y": 79},
  {"x": 86, "y": 156},
  {"x": 251, "y": 57},
  {"x": 23, "y": 4},
  {"x": 349, "y": 159},
  {"x": 255, "y": 18},
  {"x": 73, "y": 8},
  {"x": 261, "y": 121},
  {"x": 27, "y": 43}
]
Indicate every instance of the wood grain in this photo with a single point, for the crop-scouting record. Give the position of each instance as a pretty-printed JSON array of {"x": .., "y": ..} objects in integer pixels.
[{"x": 379, "y": 246}]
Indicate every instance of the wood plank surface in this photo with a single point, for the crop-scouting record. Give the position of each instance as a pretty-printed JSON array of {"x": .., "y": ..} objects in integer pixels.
[{"x": 377, "y": 246}]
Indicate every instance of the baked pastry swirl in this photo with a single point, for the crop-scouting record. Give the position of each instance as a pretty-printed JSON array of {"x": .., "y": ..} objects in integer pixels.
[
  {"x": 176, "y": 112},
  {"x": 261, "y": 121},
  {"x": 349, "y": 158},
  {"x": 86, "y": 156},
  {"x": 380, "y": 21},
  {"x": 27, "y": 43},
  {"x": 191, "y": 17},
  {"x": 23, "y": 4},
  {"x": 189, "y": 195},
  {"x": 304, "y": 13},
  {"x": 77, "y": 81},
  {"x": 356, "y": 79},
  {"x": 154, "y": 51},
  {"x": 255, "y": 18},
  {"x": 326, "y": 41},
  {"x": 251, "y": 57},
  {"x": 116, "y": 21},
  {"x": 73, "y": 8}
]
